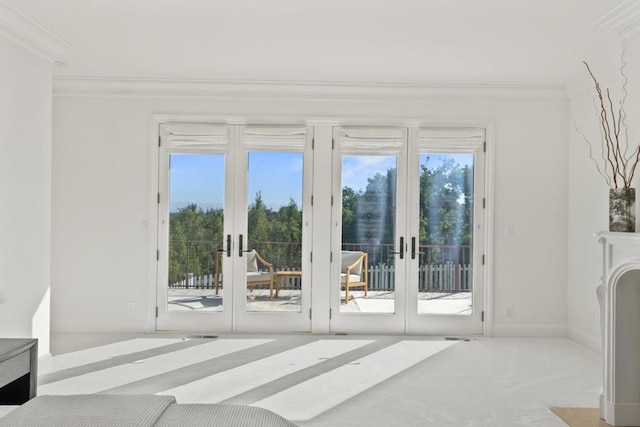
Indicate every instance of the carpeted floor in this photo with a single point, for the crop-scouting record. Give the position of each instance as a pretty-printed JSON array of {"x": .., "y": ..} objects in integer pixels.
[
  {"x": 330, "y": 380},
  {"x": 580, "y": 417}
]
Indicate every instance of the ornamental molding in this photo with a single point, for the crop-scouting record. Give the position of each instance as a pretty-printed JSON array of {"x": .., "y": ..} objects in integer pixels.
[
  {"x": 19, "y": 28},
  {"x": 254, "y": 89},
  {"x": 623, "y": 19}
]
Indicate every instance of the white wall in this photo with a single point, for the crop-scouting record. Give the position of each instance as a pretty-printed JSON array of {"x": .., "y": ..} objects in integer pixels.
[
  {"x": 589, "y": 194},
  {"x": 25, "y": 194},
  {"x": 101, "y": 200}
]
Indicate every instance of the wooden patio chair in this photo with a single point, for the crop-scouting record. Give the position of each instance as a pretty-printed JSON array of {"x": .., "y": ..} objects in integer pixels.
[
  {"x": 354, "y": 271},
  {"x": 255, "y": 275}
]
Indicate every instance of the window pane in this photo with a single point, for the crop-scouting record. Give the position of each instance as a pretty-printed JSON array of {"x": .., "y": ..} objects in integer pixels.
[
  {"x": 368, "y": 234},
  {"x": 274, "y": 267},
  {"x": 196, "y": 206},
  {"x": 446, "y": 234}
]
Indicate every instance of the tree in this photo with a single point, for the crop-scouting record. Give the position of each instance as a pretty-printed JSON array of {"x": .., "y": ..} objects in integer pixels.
[
  {"x": 258, "y": 222},
  {"x": 193, "y": 237},
  {"x": 349, "y": 220}
]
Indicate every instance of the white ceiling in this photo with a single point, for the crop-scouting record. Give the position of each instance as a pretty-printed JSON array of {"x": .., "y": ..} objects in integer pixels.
[{"x": 393, "y": 41}]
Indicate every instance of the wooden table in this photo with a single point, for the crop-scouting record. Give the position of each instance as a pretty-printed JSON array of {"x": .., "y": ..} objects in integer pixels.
[
  {"x": 18, "y": 370},
  {"x": 283, "y": 275}
]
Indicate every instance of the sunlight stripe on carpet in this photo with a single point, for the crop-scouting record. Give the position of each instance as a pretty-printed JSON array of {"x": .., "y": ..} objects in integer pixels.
[
  {"x": 98, "y": 354},
  {"x": 309, "y": 399},
  {"x": 120, "y": 375},
  {"x": 224, "y": 385}
]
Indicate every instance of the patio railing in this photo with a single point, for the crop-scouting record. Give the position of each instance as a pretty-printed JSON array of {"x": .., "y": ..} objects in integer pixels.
[{"x": 441, "y": 268}]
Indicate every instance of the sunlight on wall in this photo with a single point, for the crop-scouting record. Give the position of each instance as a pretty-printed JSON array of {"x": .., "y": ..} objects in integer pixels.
[{"x": 40, "y": 323}]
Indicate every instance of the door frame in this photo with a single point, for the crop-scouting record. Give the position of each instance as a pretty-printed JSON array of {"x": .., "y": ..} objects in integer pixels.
[
  {"x": 322, "y": 191},
  {"x": 275, "y": 321},
  {"x": 234, "y": 316},
  {"x": 412, "y": 322},
  {"x": 368, "y": 322},
  {"x": 431, "y": 323},
  {"x": 191, "y": 320}
]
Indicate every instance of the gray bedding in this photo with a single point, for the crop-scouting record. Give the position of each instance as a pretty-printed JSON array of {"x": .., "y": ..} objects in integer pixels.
[
  {"x": 223, "y": 415},
  {"x": 89, "y": 410},
  {"x": 111, "y": 410}
]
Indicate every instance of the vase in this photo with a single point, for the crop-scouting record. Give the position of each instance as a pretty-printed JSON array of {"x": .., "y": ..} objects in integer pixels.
[{"x": 622, "y": 209}]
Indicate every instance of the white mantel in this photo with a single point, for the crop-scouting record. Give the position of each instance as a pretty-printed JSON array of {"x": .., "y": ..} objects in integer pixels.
[{"x": 619, "y": 298}]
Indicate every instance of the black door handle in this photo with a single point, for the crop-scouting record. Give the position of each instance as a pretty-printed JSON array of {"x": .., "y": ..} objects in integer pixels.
[
  {"x": 413, "y": 249},
  {"x": 240, "y": 249},
  {"x": 401, "y": 253},
  {"x": 228, "y": 250}
]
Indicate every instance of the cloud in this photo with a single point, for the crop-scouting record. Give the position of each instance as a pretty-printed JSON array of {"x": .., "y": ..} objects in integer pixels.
[{"x": 357, "y": 169}]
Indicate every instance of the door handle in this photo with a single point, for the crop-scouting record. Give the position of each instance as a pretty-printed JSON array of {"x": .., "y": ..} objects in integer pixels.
[
  {"x": 413, "y": 249},
  {"x": 240, "y": 249},
  {"x": 228, "y": 250},
  {"x": 401, "y": 253}
]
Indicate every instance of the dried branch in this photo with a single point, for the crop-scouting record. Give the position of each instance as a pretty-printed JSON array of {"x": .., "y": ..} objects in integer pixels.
[
  {"x": 607, "y": 179},
  {"x": 615, "y": 149}
]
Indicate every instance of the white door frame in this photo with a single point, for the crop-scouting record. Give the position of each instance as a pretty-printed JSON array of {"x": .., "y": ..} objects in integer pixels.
[
  {"x": 322, "y": 191},
  {"x": 360, "y": 322},
  {"x": 234, "y": 316},
  {"x": 204, "y": 320},
  {"x": 273, "y": 321},
  {"x": 406, "y": 319},
  {"x": 448, "y": 323}
]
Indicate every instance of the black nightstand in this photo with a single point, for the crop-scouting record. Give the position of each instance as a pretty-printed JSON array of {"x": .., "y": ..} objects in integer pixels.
[{"x": 18, "y": 370}]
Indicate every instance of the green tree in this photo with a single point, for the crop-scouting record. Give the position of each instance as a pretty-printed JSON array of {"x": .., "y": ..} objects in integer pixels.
[
  {"x": 349, "y": 220},
  {"x": 258, "y": 222},
  {"x": 192, "y": 236}
]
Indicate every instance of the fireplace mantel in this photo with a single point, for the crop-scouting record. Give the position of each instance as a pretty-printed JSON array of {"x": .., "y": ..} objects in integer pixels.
[{"x": 619, "y": 297}]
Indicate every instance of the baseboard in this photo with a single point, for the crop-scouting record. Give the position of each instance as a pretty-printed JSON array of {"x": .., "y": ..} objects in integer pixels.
[
  {"x": 623, "y": 414},
  {"x": 529, "y": 330},
  {"x": 129, "y": 327},
  {"x": 586, "y": 340}
]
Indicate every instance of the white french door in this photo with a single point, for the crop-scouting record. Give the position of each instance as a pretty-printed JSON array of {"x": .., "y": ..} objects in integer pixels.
[
  {"x": 234, "y": 228},
  {"x": 370, "y": 178},
  {"x": 273, "y": 223},
  {"x": 445, "y": 229},
  {"x": 407, "y": 200},
  {"x": 195, "y": 222}
]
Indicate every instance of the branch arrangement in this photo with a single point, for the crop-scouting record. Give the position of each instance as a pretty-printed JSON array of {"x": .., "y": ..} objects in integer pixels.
[{"x": 616, "y": 165}]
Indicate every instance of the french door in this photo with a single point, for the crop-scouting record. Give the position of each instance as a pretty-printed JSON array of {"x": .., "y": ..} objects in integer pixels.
[
  {"x": 408, "y": 236},
  {"x": 234, "y": 228}
]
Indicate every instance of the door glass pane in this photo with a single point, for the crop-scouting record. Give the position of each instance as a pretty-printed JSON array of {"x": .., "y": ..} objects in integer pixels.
[
  {"x": 274, "y": 261},
  {"x": 196, "y": 206},
  {"x": 445, "y": 267},
  {"x": 367, "y": 262}
]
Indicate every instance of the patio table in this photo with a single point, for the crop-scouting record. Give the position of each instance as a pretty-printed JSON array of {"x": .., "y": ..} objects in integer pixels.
[{"x": 283, "y": 275}]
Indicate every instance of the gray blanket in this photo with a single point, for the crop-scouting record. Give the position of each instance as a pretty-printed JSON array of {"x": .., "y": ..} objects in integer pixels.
[
  {"x": 112, "y": 410},
  {"x": 89, "y": 410},
  {"x": 221, "y": 415}
]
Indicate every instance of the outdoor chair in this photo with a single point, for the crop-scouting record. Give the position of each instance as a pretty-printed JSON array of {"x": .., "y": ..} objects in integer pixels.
[
  {"x": 354, "y": 271},
  {"x": 255, "y": 276}
]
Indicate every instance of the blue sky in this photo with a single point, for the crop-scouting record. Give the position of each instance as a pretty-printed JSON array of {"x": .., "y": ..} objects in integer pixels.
[
  {"x": 199, "y": 178},
  {"x": 357, "y": 169}
]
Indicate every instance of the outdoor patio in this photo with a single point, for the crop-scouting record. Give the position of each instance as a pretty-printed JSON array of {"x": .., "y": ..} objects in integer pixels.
[{"x": 289, "y": 300}]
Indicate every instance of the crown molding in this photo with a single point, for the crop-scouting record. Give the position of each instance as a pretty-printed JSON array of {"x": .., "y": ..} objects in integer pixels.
[
  {"x": 623, "y": 19},
  {"x": 18, "y": 27},
  {"x": 123, "y": 87}
]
